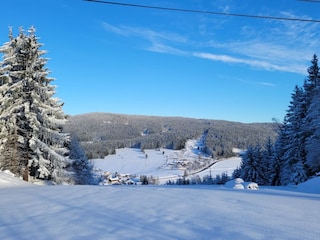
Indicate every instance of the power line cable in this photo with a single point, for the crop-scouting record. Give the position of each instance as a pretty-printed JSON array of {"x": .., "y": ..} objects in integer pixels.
[
  {"x": 206, "y": 12},
  {"x": 311, "y": 1}
]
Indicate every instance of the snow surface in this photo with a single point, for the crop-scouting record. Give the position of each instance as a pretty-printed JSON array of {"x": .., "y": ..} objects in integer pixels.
[
  {"x": 30, "y": 211},
  {"x": 157, "y": 212},
  {"x": 7, "y": 179}
]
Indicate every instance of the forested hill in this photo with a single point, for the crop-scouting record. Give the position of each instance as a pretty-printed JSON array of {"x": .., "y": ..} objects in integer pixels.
[{"x": 101, "y": 133}]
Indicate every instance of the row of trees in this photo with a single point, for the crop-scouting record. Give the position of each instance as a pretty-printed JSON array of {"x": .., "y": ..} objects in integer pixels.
[
  {"x": 205, "y": 180},
  {"x": 32, "y": 141},
  {"x": 295, "y": 155}
]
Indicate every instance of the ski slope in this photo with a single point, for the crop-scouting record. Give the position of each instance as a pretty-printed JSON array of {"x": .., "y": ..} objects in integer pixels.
[{"x": 157, "y": 212}]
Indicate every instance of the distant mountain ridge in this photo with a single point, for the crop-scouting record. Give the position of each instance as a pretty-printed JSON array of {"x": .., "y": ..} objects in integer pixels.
[{"x": 101, "y": 133}]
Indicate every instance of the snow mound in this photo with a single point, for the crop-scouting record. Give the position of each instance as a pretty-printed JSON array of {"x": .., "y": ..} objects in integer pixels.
[
  {"x": 238, "y": 186},
  {"x": 253, "y": 186},
  {"x": 310, "y": 186},
  {"x": 238, "y": 183}
]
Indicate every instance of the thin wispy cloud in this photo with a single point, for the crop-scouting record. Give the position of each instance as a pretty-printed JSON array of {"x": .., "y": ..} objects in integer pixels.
[
  {"x": 158, "y": 41},
  {"x": 267, "y": 84},
  {"x": 263, "y": 54},
  {"x": 115, "y": 29},
  {"x": 280, "y": 46},
  {"x": 163, "y": 48},
  {"x": 251, "y": 62},
  {"x": 246, "y": 81},
  {"x": 261, "y": 83}
]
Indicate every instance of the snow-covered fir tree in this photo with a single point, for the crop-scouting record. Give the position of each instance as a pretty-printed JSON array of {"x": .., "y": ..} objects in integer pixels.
[
  {"x": 252, "y": 168},
  {"x": 267, "y": 160},
  {"x": 31, "y": 119},
  {"x": 298, "y": 174},
  {"x": 312, "y": 120},
  {"x": 313, "y": 141},
  {"x": 294, "y": 149},
  {"x": 275, "y": 166},
  {"x": 81, "y": 166}
]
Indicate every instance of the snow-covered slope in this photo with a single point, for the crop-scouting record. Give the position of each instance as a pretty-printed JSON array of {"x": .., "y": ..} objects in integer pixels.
[
  {"x": 156, "y": 212},
  {"x": 7, "y": 179},
  {"x": 166, "y": 164}
]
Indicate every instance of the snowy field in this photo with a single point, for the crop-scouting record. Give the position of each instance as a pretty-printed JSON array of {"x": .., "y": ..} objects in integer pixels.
[
  {"x": 157, "y": 212},
  {"x": 165, "y": 164}
]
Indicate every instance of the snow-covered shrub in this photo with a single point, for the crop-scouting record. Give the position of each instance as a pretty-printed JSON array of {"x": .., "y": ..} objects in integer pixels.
[{"x": 238, "y": 183}]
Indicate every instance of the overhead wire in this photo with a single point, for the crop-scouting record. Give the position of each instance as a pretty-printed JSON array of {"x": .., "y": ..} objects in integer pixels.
[
  {"x": 311, "y": 1},
  {"x": 208, "y": 12}
]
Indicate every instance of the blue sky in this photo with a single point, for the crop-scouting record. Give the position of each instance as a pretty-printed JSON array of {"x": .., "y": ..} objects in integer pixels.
[{"x": 108, "y": 58}]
